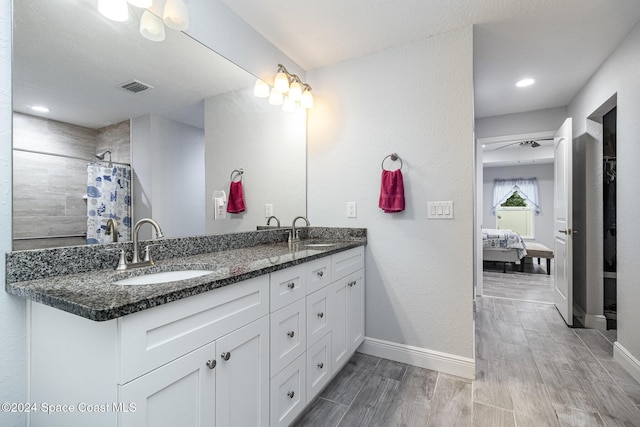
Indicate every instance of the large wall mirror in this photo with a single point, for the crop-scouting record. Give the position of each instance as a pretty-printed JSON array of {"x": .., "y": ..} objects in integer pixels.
[{"x": 182, "y": 137}]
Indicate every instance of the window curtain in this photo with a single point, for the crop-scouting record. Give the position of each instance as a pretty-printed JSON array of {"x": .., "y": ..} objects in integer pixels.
[
  {"x": 526, "y": 188},
  {"x": 108, "y": 196}
]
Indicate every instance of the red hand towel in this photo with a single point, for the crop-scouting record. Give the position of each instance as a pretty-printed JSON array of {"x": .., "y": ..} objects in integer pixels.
[
  {"x": 236, "y": 198},
  {"x": 392, "y": 191}
]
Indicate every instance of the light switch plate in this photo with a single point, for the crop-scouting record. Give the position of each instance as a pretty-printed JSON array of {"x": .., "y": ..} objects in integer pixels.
[
  {"x": 440, "y": 210},
  {"x": 268, "y": 210}
]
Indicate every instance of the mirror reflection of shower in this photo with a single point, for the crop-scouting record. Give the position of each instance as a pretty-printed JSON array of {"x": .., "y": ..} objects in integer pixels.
[{"x": 100, "y": 156}]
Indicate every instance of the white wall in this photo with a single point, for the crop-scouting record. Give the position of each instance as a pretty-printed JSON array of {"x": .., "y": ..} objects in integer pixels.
[
  {"x": 13, "y": 348},
  {"x": 415, "y": 100},
  {"x": 168, "y": 160},
  {"x": 620, "y": 74},
  {"x": 236, "y": 124},
  {"x": 543, "y": 221},
  {"x": 520, "y": 123}
]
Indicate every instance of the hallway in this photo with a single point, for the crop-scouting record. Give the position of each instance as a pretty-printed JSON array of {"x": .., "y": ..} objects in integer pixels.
[{"x": 531, "y": 370}]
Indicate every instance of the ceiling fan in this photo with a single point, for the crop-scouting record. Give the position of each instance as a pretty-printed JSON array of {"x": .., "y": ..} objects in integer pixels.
[{"x": 533, "y": 143}]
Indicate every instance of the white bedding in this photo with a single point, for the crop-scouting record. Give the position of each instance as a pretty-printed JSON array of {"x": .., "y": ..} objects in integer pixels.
[{"x": 502, "y": 245}]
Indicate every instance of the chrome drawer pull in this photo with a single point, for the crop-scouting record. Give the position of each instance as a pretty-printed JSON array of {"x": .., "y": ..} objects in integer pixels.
[
  {"x": 321, "y": 315},
  {"x": 290, "y": 334},
  {"x": 291, "y": 394},
  {"x": 226, "y": 355},
  {"x": 211, "y": 363},
  {"x": 291, "y": 285},
  {"x": 320, "y": 273},
  {"x": 320, "y": 365}
]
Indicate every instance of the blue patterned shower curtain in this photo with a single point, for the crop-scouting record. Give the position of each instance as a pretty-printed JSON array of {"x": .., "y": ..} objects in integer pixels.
[{"x": 108, "y": 196}]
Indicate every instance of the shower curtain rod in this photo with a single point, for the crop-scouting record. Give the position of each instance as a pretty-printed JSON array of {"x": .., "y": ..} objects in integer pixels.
[{"x": 66, "y": 156}]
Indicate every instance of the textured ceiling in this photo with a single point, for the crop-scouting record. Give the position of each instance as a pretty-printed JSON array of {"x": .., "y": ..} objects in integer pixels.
[{"x": 560, "y": 43}]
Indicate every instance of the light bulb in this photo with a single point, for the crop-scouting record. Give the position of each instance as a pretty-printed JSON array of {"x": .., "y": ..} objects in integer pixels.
[
  {"x": 307, "y": 99},
  {"x": 142, "y": 4},
  {"x": 288, "y": 104},
  {"x": 295, "y": 91},
  {"x": 151, "y": 27},
  {"x": 116, "y": 10},
  {"x": 261, "y": 89},
  {"x": 281, "y": 82},
  {"x": 176, "y": 15},
  {"x": 276, "y": 98},
  {"x": 525, "y": 82}
]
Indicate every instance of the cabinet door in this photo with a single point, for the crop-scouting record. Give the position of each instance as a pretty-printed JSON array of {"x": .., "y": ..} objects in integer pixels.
[
  {"x": 180, "y": 393},
  {"x": 287, "y": 286},
  {"x": 338, "y": 316},
  {"x": 288, "y": 335},
  {"x": 242, "y": 377},
  {"x": 355, "y": 310}
]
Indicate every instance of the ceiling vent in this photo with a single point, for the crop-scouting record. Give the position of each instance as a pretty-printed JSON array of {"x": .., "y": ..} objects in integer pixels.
[{"x": 135, "y": 86}]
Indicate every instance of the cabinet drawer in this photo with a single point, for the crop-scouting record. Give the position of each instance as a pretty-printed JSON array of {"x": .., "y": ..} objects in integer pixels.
[
  {"x": 288, "y": 393},
  {"x": 318, "y": 315},
  {"x": 156, "y": 336},
  {"x": 287, "y": 286},
  {"x": 288, "y": 333},
  {"x": 318, "y": 366},
  {"x": 344, "y": 263},
  {"x": 318, "y": 273}
]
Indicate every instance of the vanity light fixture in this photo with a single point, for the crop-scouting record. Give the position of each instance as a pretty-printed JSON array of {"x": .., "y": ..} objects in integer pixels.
[
  {"x": 288, "y": 90},
  {"x": 152, "y": 27},
  {"x": 116, "y": 10},
  {"x": 175, "y": 15},
  {"x": 525, "y": 82}
]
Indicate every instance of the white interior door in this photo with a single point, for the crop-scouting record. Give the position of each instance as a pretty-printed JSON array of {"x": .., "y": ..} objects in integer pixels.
[{"x": 563, "y": 272}]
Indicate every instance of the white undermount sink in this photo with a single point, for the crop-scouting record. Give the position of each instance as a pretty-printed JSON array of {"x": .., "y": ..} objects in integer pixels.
[{"x": 162, "y": 277}]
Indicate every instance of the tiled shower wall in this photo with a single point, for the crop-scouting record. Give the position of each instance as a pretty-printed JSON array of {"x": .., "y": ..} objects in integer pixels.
[{"x": 48, "y": 189}]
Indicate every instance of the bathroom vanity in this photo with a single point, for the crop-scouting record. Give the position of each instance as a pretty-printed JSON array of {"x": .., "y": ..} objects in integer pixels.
[{"x": 249, "y": 344}]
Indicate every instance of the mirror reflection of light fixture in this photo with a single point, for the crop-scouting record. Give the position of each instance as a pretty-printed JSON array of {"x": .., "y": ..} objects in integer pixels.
[
  {"x": 288, "y": 90},
  {"x": 261, "y": 89},
  {"x": 152, "y": 27},
  {"x": 175, "y": 15},
  {"x": 116, "y": 10}
]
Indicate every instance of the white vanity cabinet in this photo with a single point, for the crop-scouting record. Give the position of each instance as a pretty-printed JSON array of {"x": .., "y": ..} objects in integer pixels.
[{"x": 201, "y": 361}]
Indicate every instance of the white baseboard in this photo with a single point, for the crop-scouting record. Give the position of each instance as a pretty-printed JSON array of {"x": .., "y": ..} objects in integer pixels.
[
  {"x": 626, "y": 360},
  {"x": 422, "y": 357},
  {"x": 595, "y": 321}
]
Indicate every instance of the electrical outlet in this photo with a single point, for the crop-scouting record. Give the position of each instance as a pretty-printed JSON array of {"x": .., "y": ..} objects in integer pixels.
[
  {"x": 352, "y": 210},
  {"x": 268, "y": 210}
]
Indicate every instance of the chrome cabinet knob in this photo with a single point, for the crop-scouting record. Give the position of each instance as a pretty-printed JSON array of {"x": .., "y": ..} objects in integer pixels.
[
  {"x": 211, "y": 363},
  {"x": 320, "y": 365},
  {"x": 291, "y": 394},
  {"x": 321, "y": 315},
  {"x": 226, "y": 355},
  {"x": 290, "y": 334},
  {"x": 320, "y": 273},
  {"x": 291, "y": 285},
  {"x": 352, "y": 283}
]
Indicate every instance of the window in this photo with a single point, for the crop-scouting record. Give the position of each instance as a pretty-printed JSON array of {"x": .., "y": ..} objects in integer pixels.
[{"x": 515, "y": 204}]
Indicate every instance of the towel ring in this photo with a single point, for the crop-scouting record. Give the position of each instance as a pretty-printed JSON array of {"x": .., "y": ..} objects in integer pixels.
[
  {"x": 393, "y": 157},
  {"x": 237, "y": 173}
]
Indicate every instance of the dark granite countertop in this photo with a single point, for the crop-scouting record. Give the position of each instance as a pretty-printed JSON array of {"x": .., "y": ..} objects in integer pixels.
[{"x": 93, "y": 295}]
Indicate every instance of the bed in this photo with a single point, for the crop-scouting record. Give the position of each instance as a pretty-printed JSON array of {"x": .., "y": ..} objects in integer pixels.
[{"x": 502, "y": 246}]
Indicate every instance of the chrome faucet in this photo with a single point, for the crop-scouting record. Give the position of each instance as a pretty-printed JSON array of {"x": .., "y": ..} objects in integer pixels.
[
  {"x": 112, "y": 227},
  {"x": 293, "y": 235},
  {"x": 136, "y": 261},
  {"x": 273, "y": 217}
]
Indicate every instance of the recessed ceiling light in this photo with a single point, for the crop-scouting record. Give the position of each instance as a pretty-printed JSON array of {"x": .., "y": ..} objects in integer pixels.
[
  {"x": 525, "y": 82},
  {"x": 40, "y": 109}
]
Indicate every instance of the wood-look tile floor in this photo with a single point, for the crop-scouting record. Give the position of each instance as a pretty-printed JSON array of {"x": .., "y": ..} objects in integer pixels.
[
  {"x": 532, "y": 285},
  {"x": 531, "y": 370}
]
